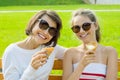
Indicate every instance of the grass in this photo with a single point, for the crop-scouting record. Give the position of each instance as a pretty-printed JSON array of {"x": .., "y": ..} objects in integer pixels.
[
  {"x": 12, "y": 25},
  {"x": 61, "y": 7},
  {"x": 38, "y": 2}
]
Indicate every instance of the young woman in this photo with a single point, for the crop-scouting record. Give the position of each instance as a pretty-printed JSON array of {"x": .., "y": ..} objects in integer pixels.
[
  {"x": 82, "y": 63},
  {"x": 27, "y": 60}
]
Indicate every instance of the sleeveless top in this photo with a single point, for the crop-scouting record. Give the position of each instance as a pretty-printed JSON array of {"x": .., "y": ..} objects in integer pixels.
[{"x": 93, "y": 71}]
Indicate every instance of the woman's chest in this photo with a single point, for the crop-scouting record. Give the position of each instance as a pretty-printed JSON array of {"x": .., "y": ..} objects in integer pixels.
[{"x": 100, "y": 56}]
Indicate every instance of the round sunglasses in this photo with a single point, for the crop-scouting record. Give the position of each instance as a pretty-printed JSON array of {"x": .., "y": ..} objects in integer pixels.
[
  {"x": 85, "y": 26},
  {"x": 44, "y": 26}
]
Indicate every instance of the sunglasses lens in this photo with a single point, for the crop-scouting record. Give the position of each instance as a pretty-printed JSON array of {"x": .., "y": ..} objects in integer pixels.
[
  {"x": 52, "y": 31},
  {"x": 86, "y": 26},
  {"x": 43, "y": 25},
  {"x": 75, "y": 29}
]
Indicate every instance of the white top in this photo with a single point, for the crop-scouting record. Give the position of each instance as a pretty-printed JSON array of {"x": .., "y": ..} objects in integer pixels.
[
  {"x": 93, "y": 71},
  {"x": 16, "y": 63}
]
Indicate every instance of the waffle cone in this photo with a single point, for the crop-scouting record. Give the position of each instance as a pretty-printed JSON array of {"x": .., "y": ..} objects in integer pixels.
[{"x": 49, "y": 50}]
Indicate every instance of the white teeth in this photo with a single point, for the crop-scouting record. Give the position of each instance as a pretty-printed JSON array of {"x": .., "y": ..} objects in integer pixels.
[
  {"x": 42, "y": 36},
  {"x": 83, "y": 35}
]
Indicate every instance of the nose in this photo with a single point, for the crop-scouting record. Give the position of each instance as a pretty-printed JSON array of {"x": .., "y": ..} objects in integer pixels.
[
  {"x": 81, "y": 31},
  {"x": 46, "y": 31}
]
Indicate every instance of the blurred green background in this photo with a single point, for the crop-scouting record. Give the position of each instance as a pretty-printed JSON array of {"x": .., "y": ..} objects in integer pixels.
[
  {"x": 14, "y": 16},
  {"x": 39, "y": 2}
]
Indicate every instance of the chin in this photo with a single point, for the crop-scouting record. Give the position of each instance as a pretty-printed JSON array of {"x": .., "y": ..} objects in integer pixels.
[{"x": 84, "y": 39}]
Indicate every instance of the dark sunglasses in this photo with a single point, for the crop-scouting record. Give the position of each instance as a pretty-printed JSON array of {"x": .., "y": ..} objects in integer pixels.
[
  {"x": 44, "y": 26},
  {"x": 85, "y": 26}
]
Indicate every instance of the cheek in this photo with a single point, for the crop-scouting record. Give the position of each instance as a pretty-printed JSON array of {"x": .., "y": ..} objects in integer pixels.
[
  {"x": 35, "y": 30},
  {"x": 50, "y": 37},
  {"x": 93, "y": 27},
  {"x": 77, "y": 34},
  {"x": 92, "y": 32}
]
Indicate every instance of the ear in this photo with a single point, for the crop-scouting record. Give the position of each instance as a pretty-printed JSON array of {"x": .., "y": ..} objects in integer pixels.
[{"x": 96, "y": 25}]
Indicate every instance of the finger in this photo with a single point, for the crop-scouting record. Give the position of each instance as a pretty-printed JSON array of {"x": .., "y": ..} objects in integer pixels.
[
  {"x": 44, "y": 60},
  {"x": 89, "y": 56},
  {"x": 38, "y": 63},
  {"x": 91, "y": 61},
  {"x": 36, "y": 66},
  {"x": 39, "y": 56},
  {"x": 39, "y": 52}
]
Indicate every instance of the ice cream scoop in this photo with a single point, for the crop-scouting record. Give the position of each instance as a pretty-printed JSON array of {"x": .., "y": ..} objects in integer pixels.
[{"x": 91, "y": 46}]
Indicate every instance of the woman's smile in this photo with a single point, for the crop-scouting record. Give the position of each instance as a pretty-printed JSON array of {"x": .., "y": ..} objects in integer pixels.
[
  {"x": 42, "y": 36},
  {"x": 83, "y": 35}
]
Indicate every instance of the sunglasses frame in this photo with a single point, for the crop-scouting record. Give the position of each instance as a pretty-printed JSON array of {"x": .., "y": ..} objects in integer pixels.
[
  {"x": 84, "y": 26},
  {"x": 45, "y": 26}
]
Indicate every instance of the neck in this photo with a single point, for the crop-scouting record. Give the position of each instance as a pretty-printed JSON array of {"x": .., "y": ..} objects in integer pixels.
[
  {"x": 28, "y": 43},
  {"x": 87, "y": 42}
]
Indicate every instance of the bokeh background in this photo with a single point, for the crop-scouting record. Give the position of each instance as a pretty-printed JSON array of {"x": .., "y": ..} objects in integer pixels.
[{"x": 15, "y": 14}]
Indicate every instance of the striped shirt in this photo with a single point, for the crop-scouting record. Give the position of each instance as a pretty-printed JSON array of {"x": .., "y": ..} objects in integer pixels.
[{"x": 94, "y": 71}]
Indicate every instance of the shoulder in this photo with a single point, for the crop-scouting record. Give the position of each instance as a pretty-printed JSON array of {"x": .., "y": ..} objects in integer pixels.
[
  {"x": 70, "y": 52},
  {"x": 111, "y": 51},
  {"x": 69, "y": 55},
  {"x": 8, "y": 54},
  {"x": 60, "y": 48},
  {"x": 9, "y": 49}
]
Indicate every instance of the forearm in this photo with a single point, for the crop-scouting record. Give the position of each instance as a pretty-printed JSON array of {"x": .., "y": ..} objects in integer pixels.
[
  {"x": 28, "y": 74},
  {"x": 11, "y": 73}
]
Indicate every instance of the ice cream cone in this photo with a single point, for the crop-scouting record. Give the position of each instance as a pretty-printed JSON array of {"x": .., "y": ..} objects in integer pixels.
[
  {"x": 91, "y": 46},
  {"x": 49, "y": 50}
]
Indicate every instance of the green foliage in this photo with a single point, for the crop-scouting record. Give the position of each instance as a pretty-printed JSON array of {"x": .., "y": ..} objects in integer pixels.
[{"x": 38, "y": 2}]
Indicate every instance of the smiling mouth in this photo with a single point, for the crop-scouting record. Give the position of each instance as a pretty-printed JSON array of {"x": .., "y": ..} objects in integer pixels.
[
  {"x": 42, "y": 36},
  {"x": 84, "y": 35}
]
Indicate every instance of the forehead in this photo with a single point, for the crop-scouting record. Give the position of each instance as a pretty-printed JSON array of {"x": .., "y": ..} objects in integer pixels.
[
  {"x": 80, "y": 20},
  {"x": 49, "y": 20}
]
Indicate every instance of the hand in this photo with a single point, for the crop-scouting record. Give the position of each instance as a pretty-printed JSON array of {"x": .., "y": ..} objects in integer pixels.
[
  {"x": 89, "y": 57},
  {"x": 39, "y": 59}
]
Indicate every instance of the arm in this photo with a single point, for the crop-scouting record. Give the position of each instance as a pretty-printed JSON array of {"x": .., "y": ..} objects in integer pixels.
[
  {"x": 60, "y": 51},
  {"x": 68, "y": 73},
  {"x": 37, "y": 61},
  {"x": 12, "y": 71},
  {"x": 112, "y": 64},
  {"x": 9, "y": 70},
  {"x": 67, "y": 66}
]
